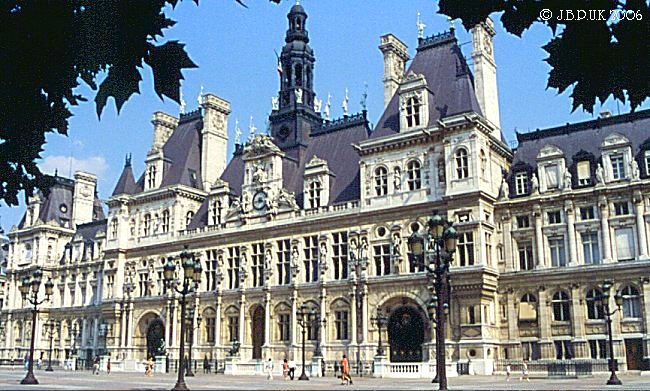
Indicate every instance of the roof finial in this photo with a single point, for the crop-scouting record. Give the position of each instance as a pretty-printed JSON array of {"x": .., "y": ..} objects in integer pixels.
[
  {"x": 364, "y": 96},
  {"x": 181, "y": 109},
  {"x": 237, "y": 132},
  {"x": 200, "y": 97},
  {"x": 451, "y": 24},
  {"x": 251, "y": 129},
  {"x": 297, "y": 2},
  {"x": 328, "y": 106},
  {"x": 420, "y": 26},
  {"x": 345, "y": 103},
  {"x": 127, "y": 160}
]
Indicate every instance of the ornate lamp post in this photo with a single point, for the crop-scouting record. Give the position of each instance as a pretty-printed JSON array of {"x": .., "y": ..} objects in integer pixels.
[
  {"x": 29, "y": 290},
  {"x": 184, "y": 287},
  {"x": 604, "y": 303},
  {"x": 303, "y": 321},
  {"x": 436, "y": 248},
  {"x": 51, "y": 325},
  {"x": 190, "y": 320},
  {"x": 380, "y": 320},
  {"x": 317, "y": 322}
]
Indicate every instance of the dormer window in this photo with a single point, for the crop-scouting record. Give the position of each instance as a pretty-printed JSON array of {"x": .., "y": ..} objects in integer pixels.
[
  {"x": 114, "y": 229},
  {"x": 381, "y": 181},
  {"x": 414, "y": 175},
  {"x": 412, "y": 112},
  {"x": 151, "y": 177},
  {"x": 583, "y": 169},
  {"x": 646, "y": 159},
  {"x": 521, "y": 183},
  {"x": 215, "y": 212},
  {"x": 314, "y": 194},
  {"x": 618, "y": 166},
  {"x": 462, "y": 170},
  {"x": 552, "y": 176}
]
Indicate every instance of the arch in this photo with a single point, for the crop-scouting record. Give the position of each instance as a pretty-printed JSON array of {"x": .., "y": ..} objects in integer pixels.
[
  {"x": 258, "y": 325},
  {"x": 461, "y": 157},
  {"x": 381, "y": 180},
  {"x": 156, "y": 338},
  {"x": 407, "y": 327},
  {"x": 414, "y": 174},
  {"x": 143, "y": 322}
]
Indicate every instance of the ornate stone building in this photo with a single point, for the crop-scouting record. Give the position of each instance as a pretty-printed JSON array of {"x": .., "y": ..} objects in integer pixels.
[{"x": 318, "y": 213}]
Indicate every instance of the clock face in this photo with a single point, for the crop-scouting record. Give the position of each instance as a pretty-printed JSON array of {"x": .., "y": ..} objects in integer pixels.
[{"x": 259, "y": 200}]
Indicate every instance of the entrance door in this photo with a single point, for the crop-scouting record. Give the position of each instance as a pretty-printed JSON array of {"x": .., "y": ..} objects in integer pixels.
[
  {"x": 258, "y": 332},
  {"x": 156, "y": 338},
  {"x": 405, "y": 335},
  {"x": 633, "y": 353}
]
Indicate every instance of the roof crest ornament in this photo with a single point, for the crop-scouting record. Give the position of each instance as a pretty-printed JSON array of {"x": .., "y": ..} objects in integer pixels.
[
  {"x": 200, "y": 97},
  {"x": 181, "y": 108},
  {"x": 345, "y": 103},
  {"x": 364, "y": 97},
  {"x": 420, "y": 26},
  {"x": 251, "y": 129},
  {"x": 237, "y": 132},
  {"x": 328, "y": 107}
]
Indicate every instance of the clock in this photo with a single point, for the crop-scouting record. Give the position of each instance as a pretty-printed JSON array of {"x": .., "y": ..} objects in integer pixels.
[{"x": 259, "y": 200}]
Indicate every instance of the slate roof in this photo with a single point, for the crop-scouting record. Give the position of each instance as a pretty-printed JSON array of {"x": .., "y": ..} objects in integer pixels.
[
  {"x": 126, "y": 184},
  {"x": 449, "y": 81},
  {"x": 88, "y": 231},
  {"x": 587, "y": 136},
  {"x": 183, "y": 149}
]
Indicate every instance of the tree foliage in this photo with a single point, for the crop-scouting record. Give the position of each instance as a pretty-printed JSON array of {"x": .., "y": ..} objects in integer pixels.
[{"x": 599, "y": 58}]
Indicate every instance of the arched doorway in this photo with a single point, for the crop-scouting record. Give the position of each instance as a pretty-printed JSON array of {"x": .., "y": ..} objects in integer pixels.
[
  {"x": 156, "y": 338},
  {"x": 258, "y": 331},
  {"x": 405, "y": 335}
]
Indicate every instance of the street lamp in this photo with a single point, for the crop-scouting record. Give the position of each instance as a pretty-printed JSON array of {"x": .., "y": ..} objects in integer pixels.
[
  {"x": 380, "y": 320},
  {"x": 303, "y": 320},
  {"x": 29, "y": 290},
  {"x": 603, "y": 300},
  {"x": 190, "y": 320},
  {"x": 51, "y": 325},
  {"x": 187, "y": 285},
  {"x": 435, "y": 249},
  {"x": 317, "y": 323}
]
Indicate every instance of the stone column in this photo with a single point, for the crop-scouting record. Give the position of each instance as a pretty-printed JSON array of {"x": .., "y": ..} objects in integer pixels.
[
  {"x": 506, "y": 222},
  {"x": 95, "y": 331},
  {"x": 640, "y": 225},
  {"x": 569, "y": 210},
  {"x": 539, "y": 237},
  {"x": 129, "y": 327},
  {"x": 645, "y": 293},
  {"x": 267, "y": 320},
  {"x": 217, "y": 321},
  {"x": 513, "y": 329},
  {"x": 353, "y": 315},
  {"x": 604, "y": 229},
  {"x": 323, "y": 316},
  {"x": 294, "y": 320},
  {"x": 242, "y": 319},
  {"x": 544, "y": 319},
  {"x": 364, "y": 314},
  {"x": 578, "y": 322},
  {"x": 84, "y": 333},
  {"x": 123, "y": 316}
]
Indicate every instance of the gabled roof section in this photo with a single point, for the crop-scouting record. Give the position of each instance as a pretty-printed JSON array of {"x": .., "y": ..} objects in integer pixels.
[
  {"x": 449, "y": 81},
  {"x": 126, "y": 184},
  {"x": 183, "y": 150}
]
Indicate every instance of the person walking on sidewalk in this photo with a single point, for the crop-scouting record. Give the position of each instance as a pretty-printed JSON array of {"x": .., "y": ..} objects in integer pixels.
[
  {"x": 507, "y": 372},
  {"x": 524, "y": 371},
  {"x": 292, "y": 369},
  {"x": 345, "y": 370},
  {"x": 268, "y": 368}
]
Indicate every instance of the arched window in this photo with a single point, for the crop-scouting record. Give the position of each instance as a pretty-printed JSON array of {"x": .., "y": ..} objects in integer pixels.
[
  {"x": 114, "y": 229},
  {"x": 414, "y": 175},
  {"x": 594, "y": 309},
  {"x": 381, "y": 181},
  {"x": 165, "y": 221},
  {"x": 146, "y": 224},
  {"x": 188, "y": 218},
  {"x": 462, "y": 170},
  {"x": 631, "y": 302},
  {"x": 314, "y": 194},
  {"x": 413, "y": 112},
  {"x": 561, "y": 307},
  {"x": 528, "y": 308}
]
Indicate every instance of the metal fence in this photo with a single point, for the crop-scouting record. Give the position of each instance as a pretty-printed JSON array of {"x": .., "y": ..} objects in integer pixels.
[
  {"x": 357, "y": 368},
  {"x": 556, "y": 368}
]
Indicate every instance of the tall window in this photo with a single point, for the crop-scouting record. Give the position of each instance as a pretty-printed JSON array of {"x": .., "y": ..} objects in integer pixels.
[
  {"x": 146, "y": 224},
  {"x": 556, "y": 247},
  {"x": 341, "y": 324},
  {"x": 560, "y": 304},
  {"x": 465, "y": 249},
  {"x": 382, "y": 259},
  {"x": 590, "y": 248},
  {"x": 164, "y": 222},
  {"x": 311, "y": 258},
  {"x": 233, "y": 267},
  {"x": 412, "y": 112},
  {"x": 113, "y": 229},
  {"x": 554, "y": 217},
  {"x": 563, "y": 349},
  {"x": 414, "y": 175},
  {"x": 257, "y": 266},
  {"x": 284, "y": 261},
  {"x": 594, "y": 309},
  {"x": 531, "y": 350},
  {"x": 143, "y": 284},
  {"x": 381, "y": 181},
  {"x": 233, "y": 328},
  {"x": 521, "y": 183},
  {"x": 528, "y": 308},
  {"x": 552, "y": 176},
  {"x": 647, "y": 162},
  {"x": 340, "y": 255},
  {"x": 215, "y": 212},
  {"x": 314, "y": 194},
  {"x": 598, "y": 348},
  {"x": 584, "y": 172},
  {"x": 488, "y": 248},
  {"x": 523, "y": 222},
  {"x": 587, "y": 213},
  {"x": 151, "y": 177},
  {"x": 284, "y": 327},
  {"x": 526, "y": 261},
  {"x": 618, "y": 166},
  {"x": 210, "y": 323},
  {"x": 621, "y": 208},
  {"x": 631, "y": 302},
  {"x": 211, "y": 270},
  {"x": 462, "y": 169},
  {"x": 624, "y": 244}
]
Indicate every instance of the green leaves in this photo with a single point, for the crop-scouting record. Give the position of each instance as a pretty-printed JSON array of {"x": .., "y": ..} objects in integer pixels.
[{"x": 167, "y": 61}]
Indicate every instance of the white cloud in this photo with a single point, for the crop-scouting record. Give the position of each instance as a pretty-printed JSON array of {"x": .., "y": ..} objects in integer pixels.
[{"x": 67, "y": 165}]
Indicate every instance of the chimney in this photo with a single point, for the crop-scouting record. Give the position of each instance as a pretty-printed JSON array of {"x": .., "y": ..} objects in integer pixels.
[
  {"x": 214, "y": 138},
  {"x": 163, "y": 127},
  {"x": 83, "y": 197},
  {"x": 485, "y": 71},
  {"x": 395, "y": 57}
]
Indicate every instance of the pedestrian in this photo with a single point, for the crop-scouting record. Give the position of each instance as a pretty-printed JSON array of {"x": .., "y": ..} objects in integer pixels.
[
  {"x": 524, "y": 371},
  {"x": 292, "y": 369},
  {"x": 108, "y": 365},
  {"x": 39, "y": 362},
  {"x": 149, "y": 367},
  {"x": 345, "y": 370},
  {"x": 13, "y": 361},
  {"x": 206, "y": 364},
  {"x": 96, "y": 365},
  {"x": 507, "y": 372},
  {"x": 268, "y": 368},
  {"x": 26, "y": 361},
  {"x": 285, "y": 369}
]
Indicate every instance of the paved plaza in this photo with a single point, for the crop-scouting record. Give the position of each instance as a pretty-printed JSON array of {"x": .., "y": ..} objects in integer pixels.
[{"x": 84, "y": 380}]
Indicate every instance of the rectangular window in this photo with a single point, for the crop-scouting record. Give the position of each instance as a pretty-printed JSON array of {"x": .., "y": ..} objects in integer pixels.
[
  {"x": 465, "y": 249},
  {"x": 554, "y": 217},
  {"x": 523, "y": 222},
  {"x": 233, "y": 328},
  {"x": 209, "y": 329},
  {"x": 563, "y": 350},
  {"x": 382, "y": 259},
  {"x": 587, "y": 213},
  {"x": 590, "y": 248},
  {"x": 143, "y": 284},
  {"x": 647, "y": 163},
  {"x": 598, "y": 348},
  {"x": 556, "y": 247},
  {"x": 257, "y": 266},
  {"x": 621, "y": 208},
  {"x": 531, "y": 351},
  {"x": 284, "y": 261},
  {"x": 552, "y": 176},
  {"x": 340, "y": 255},
  {"x": 211, "y": 270},
  {"x": 311, "y": 258},
  {"x": 284, "y": 327},
  {"x": 488, "y": 248},
  {"x": 521, "y": 183},
  {"x": 618, "y": 166},
  {"x": 624, "y": 244},
  {"x": 341, "y": 324},
  {"x": 471, "y": 314},
  {"x": 584, "y": 173},
  {"x": 233, "y": 267},
  {"x": 526, "y": 261}
]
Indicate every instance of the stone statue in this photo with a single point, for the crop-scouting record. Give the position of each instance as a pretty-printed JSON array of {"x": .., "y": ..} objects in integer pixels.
[
  {"x": 346, "y": 100},
  {"x": 567, "y": 179},
  {"x": 397, "y": 178},
  {"x": 317, "y": 105},
  {"x": 534, "y": 184},
  {"x": 504, "y": 190},
  {"x": 295, "y": 260},
  {"x": 363, "y": 249},
  {"x": 322, "y": 254},
  {"x": 328, "y": 107},
  {"x": 268, "y": 260},
  {"x": 298, "y": 92},
  {"x": 246, "y": 202},
  {"x": 600, "y": 174},
  {"x": 259, "y": 175},
  {"x": 634, "y": 170},
  {"x": 275, "y": 103},
  {"x": 397, "y": 245},
  {"x": 353, "y": 248}
]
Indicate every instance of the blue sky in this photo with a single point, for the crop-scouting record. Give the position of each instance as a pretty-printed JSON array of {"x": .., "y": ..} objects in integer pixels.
[{"x": 234, "y": 48}]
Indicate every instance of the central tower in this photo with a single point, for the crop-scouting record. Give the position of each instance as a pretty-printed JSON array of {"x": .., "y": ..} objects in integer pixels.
[{"x": 293, "y": 115}]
